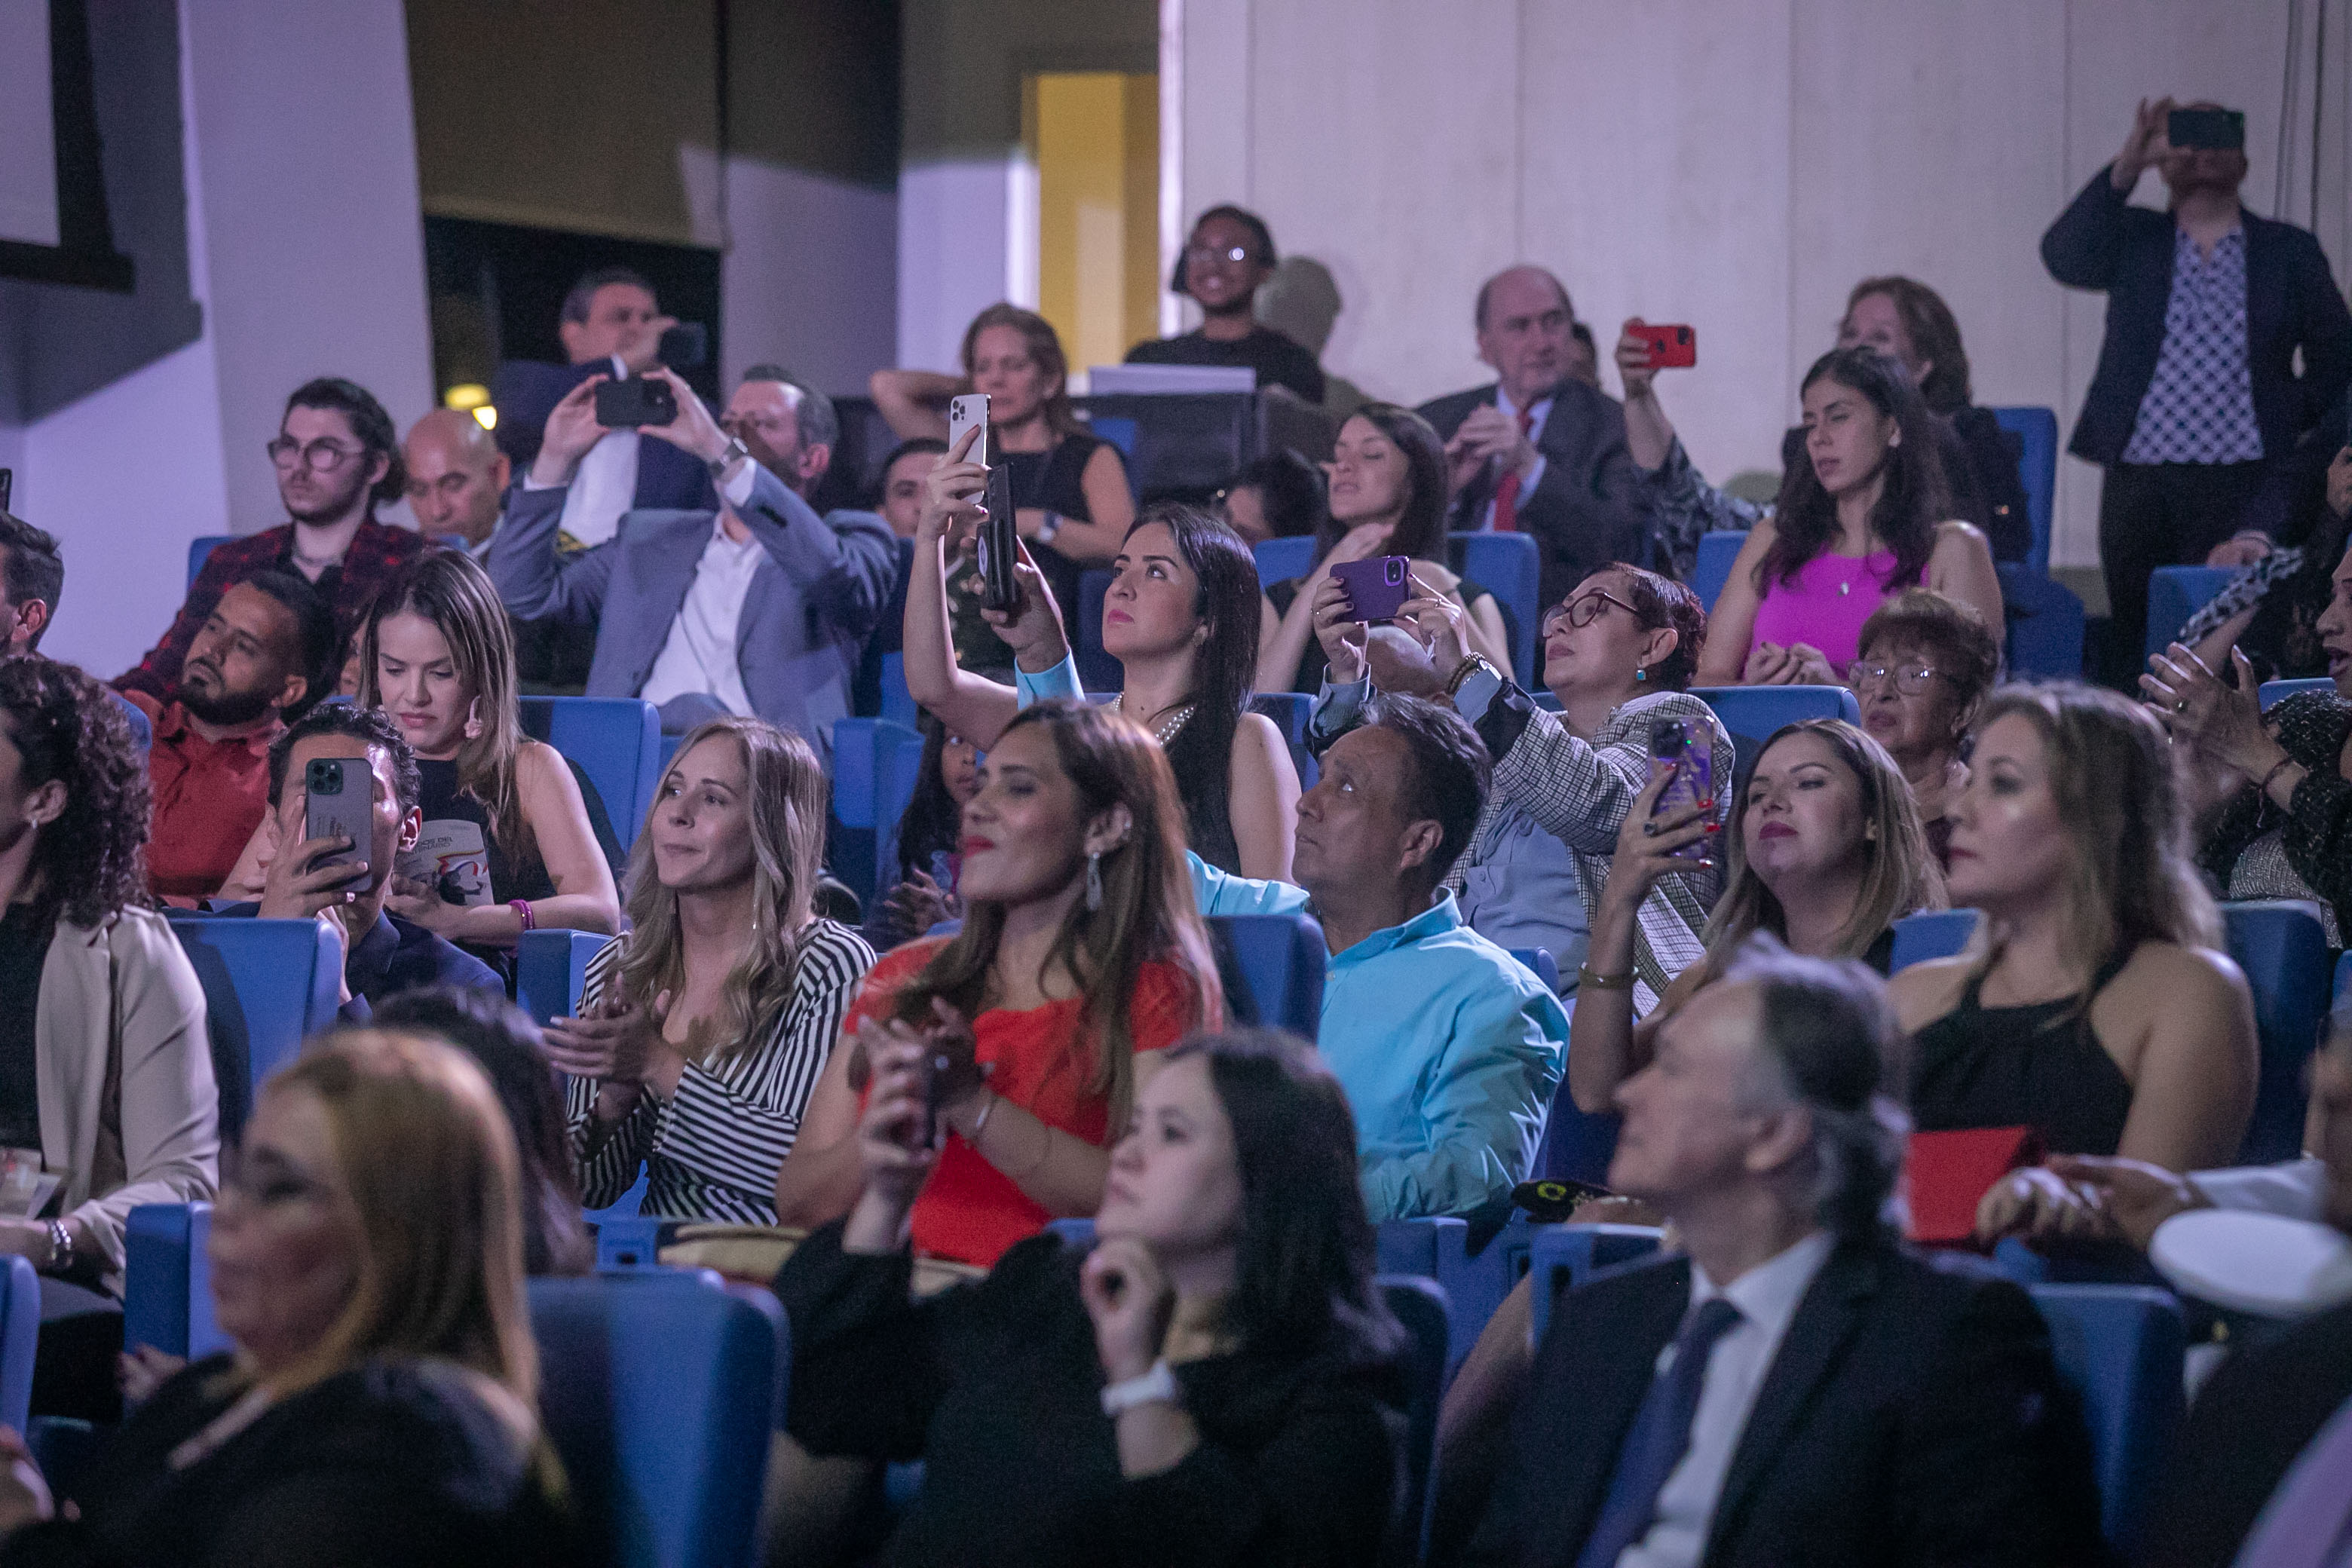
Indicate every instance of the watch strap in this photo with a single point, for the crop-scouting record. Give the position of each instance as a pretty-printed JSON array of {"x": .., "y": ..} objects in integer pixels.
[
  {"x": 1157, "y": 1386},
  {"x": 725, "y": 460}
]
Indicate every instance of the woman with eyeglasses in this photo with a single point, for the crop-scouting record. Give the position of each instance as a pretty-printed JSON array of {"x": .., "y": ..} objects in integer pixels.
[
  {"x": 1228, "y": 258},
  {"x": 1927, "y": 664}
]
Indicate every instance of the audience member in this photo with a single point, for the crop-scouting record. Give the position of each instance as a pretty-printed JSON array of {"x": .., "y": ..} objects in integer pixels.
[
  {"x": 2196, "y": 397},
  {"x": 1070, "y": 499},
  {"x": 921, "y": 889},
  {"x": 1792, "y": 1386},
  {"x": 1278, "y": 496},
  {"x": 2269, "y": 794},
  {"x": 335, "y": 461},
  {"x": 1448, "y": 1048},
  {"x": 1216, "y": 1383},
  {"x": 701, "y": 1031},
  {"x": 1618, "y": 656},
  {"x": 2270, "y": 607},
  {"x": 759, "y": 609},
  {"x": 612, "y": 328},
  {"x": 31, "y": 577},
  {"x": 505, "y": 1045},
  {"x": 314, "y": 878},
  {"x": 1927, "y": 664},
  {"x": 903, "y": 472},
  {"x": 1079, "y": 961},
  {"x": 379, "y": 1403},
  {"x": 1540, "y": 451},
  {"x": 2102, "y": 1011},
  {"x": 1181, "y": 617},
  {"x": 263, "y": 652},
  {"x": 105, "y": 1066},
  {"x": 1387, "y": 498},
  {"x": 1829, "y": 854},
  {"x": 1863, "y": 518},
  {"x": 456, "y": 480},
  {"x": 1229, "y": 257}
]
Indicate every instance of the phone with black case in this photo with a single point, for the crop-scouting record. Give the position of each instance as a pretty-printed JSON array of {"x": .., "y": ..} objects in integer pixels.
[
  {"x": 999, "y": 544},
  {"x": 639, "y": 400},
  {"x": 2218, "y": 129}
]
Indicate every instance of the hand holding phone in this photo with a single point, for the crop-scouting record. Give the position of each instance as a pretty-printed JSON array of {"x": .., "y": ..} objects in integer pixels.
[
  {"x": 963, "y": 413},
  {"x": 1672, "y": 346},
  {"x": 2206, "y": 129},
  {"x": 339, "y": 802},
  {"x": 639, "y": 401},
  {"x": 999, "y": 543},
  {"x": 1690, "y": 757}
]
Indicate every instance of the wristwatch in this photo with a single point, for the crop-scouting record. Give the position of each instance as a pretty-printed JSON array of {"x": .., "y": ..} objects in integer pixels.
[
  {"x": 1157, "y": 1386},
  {"x": 1050, "y": 527},
  {"x": 725, "y": 460},
  {"x": 61, "y": 1248}
]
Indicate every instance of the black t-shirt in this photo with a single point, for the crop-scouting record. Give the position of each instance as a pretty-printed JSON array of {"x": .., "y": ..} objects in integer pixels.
[
  {"x": 1272, "y": 355},
  {"x": 23, "y": 948}
]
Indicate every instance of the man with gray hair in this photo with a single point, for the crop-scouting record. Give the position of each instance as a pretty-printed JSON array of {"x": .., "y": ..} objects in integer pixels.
[
  {"x": 1798, "y": 1387},
  {"x": 758, "y": 608}
]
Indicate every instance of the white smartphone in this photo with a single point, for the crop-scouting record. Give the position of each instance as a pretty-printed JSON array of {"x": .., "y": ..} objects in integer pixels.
[{"x": 963, "y": 413}]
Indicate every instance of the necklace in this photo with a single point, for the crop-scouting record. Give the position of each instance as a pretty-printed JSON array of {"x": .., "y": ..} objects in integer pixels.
[{"x": 1174, "y": 722}]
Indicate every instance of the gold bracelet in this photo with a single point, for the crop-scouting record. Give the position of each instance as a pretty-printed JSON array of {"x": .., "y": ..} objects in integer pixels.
[
  {"x": 1586, "y": 976},
  {"x": 2276, "y": 768}
]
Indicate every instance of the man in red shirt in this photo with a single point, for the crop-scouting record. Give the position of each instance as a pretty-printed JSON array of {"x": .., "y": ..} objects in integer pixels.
[
  {"x": 268, "y": 644},
  {"x": 337, "y": 459}
]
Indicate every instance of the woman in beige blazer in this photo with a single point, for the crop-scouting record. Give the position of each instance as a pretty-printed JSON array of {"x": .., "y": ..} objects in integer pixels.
[{"x": 118, "y": 1094}]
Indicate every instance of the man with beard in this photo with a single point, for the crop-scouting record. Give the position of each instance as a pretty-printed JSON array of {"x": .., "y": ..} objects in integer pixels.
[
  {"x": 264, "y": 649},
  {"x": 336, "y": 459}
]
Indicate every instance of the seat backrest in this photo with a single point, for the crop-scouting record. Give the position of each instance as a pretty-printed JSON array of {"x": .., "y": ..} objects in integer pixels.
[
  {"x": 1419, "y": 1303},
  {"x": 659, "y": 1392},
  {"x": 1098, "y": 670},
  {"x": 1566, "y": 1255},
  {"x": 1752, "y": 714},
  {"x": 200, "y": 550},
  {"x": 268, "y": 984},
  {"x": 20, "y": 1334},
  {"x": 2277, "y": 691},
  {"x": 1290, "y": 712},
  {"x": 1279, "y": 959},
  {"x": 1475, "y": 1281},
  {"x": 2120, "y": 1348},
  {"x": 616, "y": 741},
  {"x": 552, "y": 970},
  {"x": 2283, "y": 948},
  {"x": 1280, "y": 559},
  {"x": 2046, "y": 625},
  {"x": 1932, "y": 933},
  {"x": 1717, "y": 549},
  {"x": 889, "y": 636},
  {"x": 1507, "y": 566},
  {"x": 167, "y": 1297},
  {"x": 2177, "y": 592},
  {"x": 2036, "y": 429},
  {"x": 875, "y": 765}
]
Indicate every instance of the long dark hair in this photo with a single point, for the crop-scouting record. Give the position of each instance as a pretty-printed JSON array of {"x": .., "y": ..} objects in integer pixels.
[
  {"x": 1420, "y": 530},
  {"x": 1147, "y": 914},
  {"x": 1224, "y": 666},
  {"x": 1303, "y": 1278},
  {"x": 1935, "y": 335},
  {"x": 932, "y": 820},
  {"x": 91, "y": 861},
  {"x": 1912, "y": 498}
]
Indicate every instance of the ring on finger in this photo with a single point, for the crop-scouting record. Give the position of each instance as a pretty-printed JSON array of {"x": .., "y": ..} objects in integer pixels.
[{"x": 2180, "y": 705}]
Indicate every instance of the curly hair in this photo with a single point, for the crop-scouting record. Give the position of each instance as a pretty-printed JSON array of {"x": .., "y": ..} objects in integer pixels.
[{"x": 92, "y": 860}]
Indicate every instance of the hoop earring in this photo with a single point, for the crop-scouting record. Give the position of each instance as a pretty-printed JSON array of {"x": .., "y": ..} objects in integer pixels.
[
  {"x": 474, "y": 719},
  {"x": 1094, "y": 879}
]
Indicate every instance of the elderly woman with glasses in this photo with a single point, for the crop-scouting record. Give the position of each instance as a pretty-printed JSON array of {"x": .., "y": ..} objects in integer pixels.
[
  {"x": 1617, "y": 652},
  {"x": 1926, "y": 666}
]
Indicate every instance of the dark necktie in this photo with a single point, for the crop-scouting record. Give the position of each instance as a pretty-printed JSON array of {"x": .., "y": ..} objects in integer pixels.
[{"x": 1658, "y": 1438}]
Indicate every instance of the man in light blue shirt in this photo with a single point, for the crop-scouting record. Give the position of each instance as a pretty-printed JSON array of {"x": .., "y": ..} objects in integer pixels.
[{"x": 1449, "y": 1049}]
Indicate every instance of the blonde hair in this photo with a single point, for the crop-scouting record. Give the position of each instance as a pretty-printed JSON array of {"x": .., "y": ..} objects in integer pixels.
[
  {"x": 429, "y": 1163},
  {"x": 788, "y": 793},
  {"x": 1902, "y": 875}
]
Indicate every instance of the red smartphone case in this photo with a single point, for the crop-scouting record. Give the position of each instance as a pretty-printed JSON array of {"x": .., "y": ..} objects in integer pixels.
[{"x": 1671, "y": 347}]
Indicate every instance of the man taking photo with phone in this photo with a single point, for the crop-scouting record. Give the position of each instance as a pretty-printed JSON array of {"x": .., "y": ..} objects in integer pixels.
[{"x": 2196, "y": 399}]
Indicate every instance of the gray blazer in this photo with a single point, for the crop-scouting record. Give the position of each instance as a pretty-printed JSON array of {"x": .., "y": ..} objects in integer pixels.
[{"x": 812, "y": 600}]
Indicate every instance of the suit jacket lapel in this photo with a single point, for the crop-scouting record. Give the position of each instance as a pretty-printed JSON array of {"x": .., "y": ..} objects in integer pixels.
[
  {"x": 1605, "y": 1370},
  {"x": 1816, "y": 1341}
]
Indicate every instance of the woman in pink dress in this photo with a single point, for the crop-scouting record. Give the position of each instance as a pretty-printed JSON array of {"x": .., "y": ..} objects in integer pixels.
[{"x": 1860, "y": 520}]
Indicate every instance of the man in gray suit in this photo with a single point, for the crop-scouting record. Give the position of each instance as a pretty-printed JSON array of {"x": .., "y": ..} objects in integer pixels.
[{"x": 758, "y": 608}]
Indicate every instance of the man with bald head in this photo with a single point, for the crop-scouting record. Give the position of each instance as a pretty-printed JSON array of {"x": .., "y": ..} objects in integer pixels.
[
  {"x": 456, "y": 478},
  {"x": 1540, "y": 451}
]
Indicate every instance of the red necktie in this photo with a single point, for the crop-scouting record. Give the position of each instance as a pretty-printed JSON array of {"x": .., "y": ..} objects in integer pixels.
[{"x": 1506, "y": 494}]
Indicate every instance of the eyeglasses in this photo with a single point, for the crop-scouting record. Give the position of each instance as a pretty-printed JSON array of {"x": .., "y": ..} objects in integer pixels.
[
  {"x": 1909, "y": 678},
  {"x": 1583, "y": 610},
  {"x": 1235, "y": 253},
  {"x": 318, "y": 457}
]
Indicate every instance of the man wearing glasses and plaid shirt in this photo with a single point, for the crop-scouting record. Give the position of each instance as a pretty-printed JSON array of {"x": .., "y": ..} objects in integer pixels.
[{"x": 337, "y": 457}]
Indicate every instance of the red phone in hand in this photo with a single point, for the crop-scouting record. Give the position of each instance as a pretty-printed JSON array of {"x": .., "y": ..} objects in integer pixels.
[{"x": 1671, "y": 347}]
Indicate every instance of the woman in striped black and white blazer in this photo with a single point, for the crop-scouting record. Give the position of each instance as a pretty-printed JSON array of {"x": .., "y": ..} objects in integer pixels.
[{"x": 700, "y": 1034}]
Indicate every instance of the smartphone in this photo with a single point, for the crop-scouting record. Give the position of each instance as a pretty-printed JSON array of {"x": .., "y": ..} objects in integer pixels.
[
  {"x": 685, "y": 346},
  {"x": 963, "y": 412},
  {"x": 640, "y": 400},
  {"x": 1673, "y": 744},
  {"x": 1673, "y": 347},
  {"x": 2222, "y": 129},
  {"x": 1378, "y": 586},
  {"x": 339, "y": 798},
  {"x": 999, "y": 544},
  {"x": 7, "y": 483},
  {"x": 936, "y": 1067}
]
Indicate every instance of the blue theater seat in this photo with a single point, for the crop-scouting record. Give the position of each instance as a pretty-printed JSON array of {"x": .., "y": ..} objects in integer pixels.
[
  {"x": 2120, "y": 1347},
  {"x": 20, "y": 1333},
  {"x": 1475, "y": 1282},
  {"x": 2277, "y": 691},
  {"x": 1419, "y": 1303},
  {"x": 1507, "y": 566},
  {"x": 167, "y": 1298},
  {"x": 1280, "y": 559},
  {"x": 1290, "y": 710},
  {"x": 1754, "y": 713},
  {"x": 200, "y": 549},
  {"x": 1717, "y": 549},
  {"x": 552, "y": 970},
  {"x": 1279, "y": 959},
  {"x": 2177, "y": 592},
  {"x": 2046, "y": 625},
  {"x": 268, "y": 984},
  {"x": 2283, "y": 948},
  {"x": 1566, "y": 1255},
  {"x": 616, "y": 740},
  {"x": 2036, "y": 429},
  {"x": 875, "y": 766},
  {"x": 1932, "y": 933}
]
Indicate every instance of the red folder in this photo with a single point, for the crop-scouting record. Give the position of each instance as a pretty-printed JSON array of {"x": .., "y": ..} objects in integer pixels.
[{"x": 1947, "y": 1175}]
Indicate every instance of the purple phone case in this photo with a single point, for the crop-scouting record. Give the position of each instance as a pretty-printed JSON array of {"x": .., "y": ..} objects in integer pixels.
[
  {"x": 1694, "y": 782},
  {"x": 1370, "y": 592}
]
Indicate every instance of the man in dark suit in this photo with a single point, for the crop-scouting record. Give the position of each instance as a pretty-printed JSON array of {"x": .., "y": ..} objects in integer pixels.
[
  {"x": 1540, "y": 451},
  {"x": 1798, "y": 1388},
  {"x": 2196, "y": 396}
]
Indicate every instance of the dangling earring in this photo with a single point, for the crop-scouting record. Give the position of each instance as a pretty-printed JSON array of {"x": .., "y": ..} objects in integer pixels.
[
  {"x": 1641, "y": 672},
  {"x": 1094, "y": 879},
  {"x": 474, "y": 719}
]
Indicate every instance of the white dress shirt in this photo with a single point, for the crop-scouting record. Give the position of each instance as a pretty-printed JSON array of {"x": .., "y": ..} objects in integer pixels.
[
  {"x": 1536, "y": 417},
  {"x": 699, "y": 654},
  {"x": 604, "y": 486},
  {"x": 2297, "y": 1189},
  {"x": 1766, "y": 1296}
]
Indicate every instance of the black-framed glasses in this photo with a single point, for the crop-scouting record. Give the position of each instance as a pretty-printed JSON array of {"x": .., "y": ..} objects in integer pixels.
[
  {"x": 1583, "y": 610},
  {"x": 1235, "y": 253},
  {"x": 1909, "y": 678},
  {"x": 318, "y": 457}
]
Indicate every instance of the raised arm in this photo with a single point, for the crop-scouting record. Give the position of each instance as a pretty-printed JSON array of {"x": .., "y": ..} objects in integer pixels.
[
  {"x": 1605, "y": 1045},
  {"x": 1649, "y": 434},
  {"x": 914, "y": 403},
  {"x": 972, "y": 707}
]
